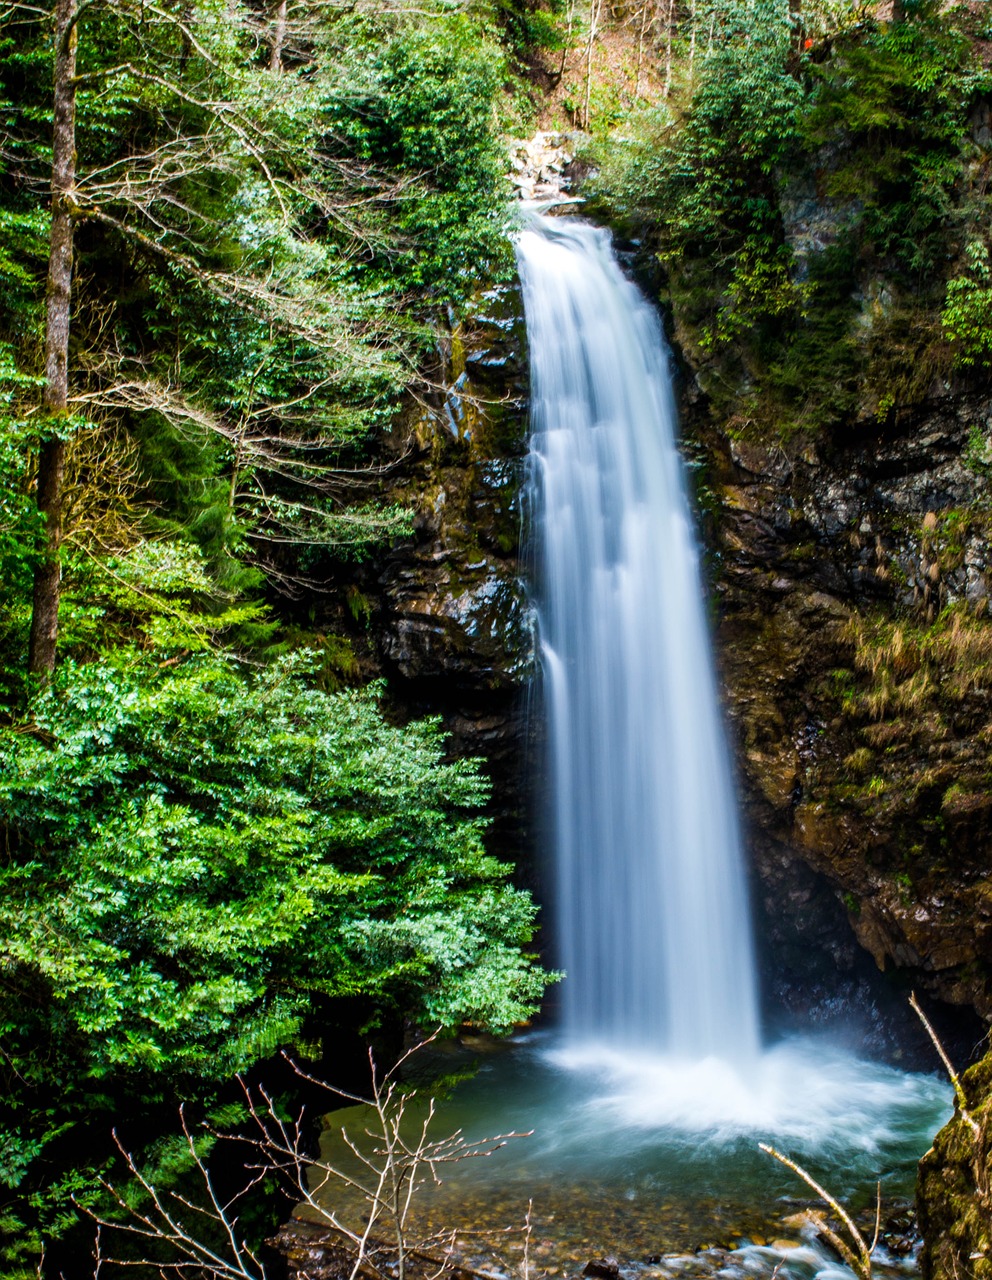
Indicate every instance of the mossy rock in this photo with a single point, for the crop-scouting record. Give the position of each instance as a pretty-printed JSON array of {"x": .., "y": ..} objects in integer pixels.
[{"x": 953, "y": 1189}]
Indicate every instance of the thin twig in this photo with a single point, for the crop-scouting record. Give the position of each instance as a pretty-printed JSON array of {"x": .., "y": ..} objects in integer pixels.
[
  {"x": 959, "y": 1093},
  {"x": 859, "y": 1263}
]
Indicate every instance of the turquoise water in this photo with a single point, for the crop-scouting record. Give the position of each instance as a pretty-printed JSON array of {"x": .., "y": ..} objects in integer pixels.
[{"x": 656, "y": 1162}]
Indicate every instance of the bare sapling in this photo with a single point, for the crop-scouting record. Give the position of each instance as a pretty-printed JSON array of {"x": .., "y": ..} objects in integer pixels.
[
  {"x": 595, "y": 9},
  {"x": 959, "y": 1094},
  {"x": 180, "y": 1233},
  {"x": 979, "y": 1146},
  {"x": 855, "y": 1250},
  {"x": 645, "y": 20},
  {"x": 669, "y": 36}
]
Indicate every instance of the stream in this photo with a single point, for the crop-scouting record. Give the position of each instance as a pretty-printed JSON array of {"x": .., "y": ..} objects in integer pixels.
[{"x": 655, "y": 1162}]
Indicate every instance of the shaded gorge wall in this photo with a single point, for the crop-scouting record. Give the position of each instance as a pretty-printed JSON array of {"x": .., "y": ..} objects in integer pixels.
[
  {"x": 851, "y": 593},
  {"x": 444, "y": 614}
]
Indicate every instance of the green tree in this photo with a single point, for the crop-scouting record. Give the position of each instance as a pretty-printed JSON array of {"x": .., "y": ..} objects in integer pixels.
[
  {"x": 250, "y": 226},
  {"x": 193, "y": 861},
  {"x": 889, "y": 109}
]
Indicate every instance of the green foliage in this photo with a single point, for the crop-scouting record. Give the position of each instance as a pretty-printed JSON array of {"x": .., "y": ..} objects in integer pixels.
[
  {"x": 967, "y": 315},
  {"x": 260, "y": 256},
  {"x": 18, "y": 516},
  {"x": 421, "y": 99},
  {"x": 23, "y": 250},
  {"x": 198, "y": 864},
  {"x": 760, "y": 284},
  {"x": 813, "y": 373},
  {"x": 708, "y": 171},
  {"x": 865, "y": 131},
  {"x": 893, "y": 105},
  {"x": 532, "y": 25},
  {"x": 978, "y": 455},
  {"x": 193, "y": 857},
  {"x": 20, "y": 525},
  {"x": 159, "y": 595}
]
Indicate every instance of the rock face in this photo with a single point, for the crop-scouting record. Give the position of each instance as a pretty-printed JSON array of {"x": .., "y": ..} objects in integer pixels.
[
  {"x": 544, "y": 167},
  {"x": 852, "y": 587},
  {"x": 444, "y": 613}
]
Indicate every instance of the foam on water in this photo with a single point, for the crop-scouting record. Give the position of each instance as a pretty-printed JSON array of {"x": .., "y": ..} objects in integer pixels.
[
  {"x": 810, "y": 1095},
  {"x": 656, "y": 1123}
]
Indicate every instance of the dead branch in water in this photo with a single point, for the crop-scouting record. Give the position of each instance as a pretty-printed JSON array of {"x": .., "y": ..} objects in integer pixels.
[{"x": 858, "y": 1257}]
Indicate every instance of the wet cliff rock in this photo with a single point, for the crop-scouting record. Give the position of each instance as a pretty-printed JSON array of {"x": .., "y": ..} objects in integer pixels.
[
  {"x": 453, "y": 606},
  {"x": 852, "y": 583},
  {"x": 444, "y": 613}
]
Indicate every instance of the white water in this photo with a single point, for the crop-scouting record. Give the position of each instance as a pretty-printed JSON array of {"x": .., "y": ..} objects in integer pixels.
[{"x": 652, "y": 910}]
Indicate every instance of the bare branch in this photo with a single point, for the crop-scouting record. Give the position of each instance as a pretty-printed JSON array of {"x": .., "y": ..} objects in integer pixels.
[
  {"x": 378, "y": 1240},
  {"x": 858, "y": 1258},
  {"x": 959, "y": 1093}
]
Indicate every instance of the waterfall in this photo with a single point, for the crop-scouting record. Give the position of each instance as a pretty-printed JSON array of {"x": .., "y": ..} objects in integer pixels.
[{"x": 652, "y": 911}]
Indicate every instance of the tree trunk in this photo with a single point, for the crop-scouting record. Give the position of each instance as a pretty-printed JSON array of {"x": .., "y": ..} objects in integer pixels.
[
  {"x": 668, "y": 48},
  {"x": 279, "y": 36},
  {"x": 55, "y": 399},
  {"x": 796, "y": 21},
  {"x": 593, "y": 23},
  {"x": 641, "y": 34}
]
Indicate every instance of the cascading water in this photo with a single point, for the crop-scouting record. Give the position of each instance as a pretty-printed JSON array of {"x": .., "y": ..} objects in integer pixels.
[
  {"x": 652, "y": 911},
  {"x": 644, "y": 1126}
]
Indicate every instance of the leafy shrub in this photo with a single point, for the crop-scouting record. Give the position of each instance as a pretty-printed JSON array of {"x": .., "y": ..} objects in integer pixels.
[
  {"x": 193, "y": 860},
  {"x": 421, "y": 100},
  {"x": 967, "y": 315}
]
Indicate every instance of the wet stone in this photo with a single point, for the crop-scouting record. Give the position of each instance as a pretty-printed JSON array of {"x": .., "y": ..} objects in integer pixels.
[{"x": 601, "y": 1269}]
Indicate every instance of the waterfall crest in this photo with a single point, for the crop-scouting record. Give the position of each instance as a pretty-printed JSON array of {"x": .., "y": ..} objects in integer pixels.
[{"x": 652, "y": 911}]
